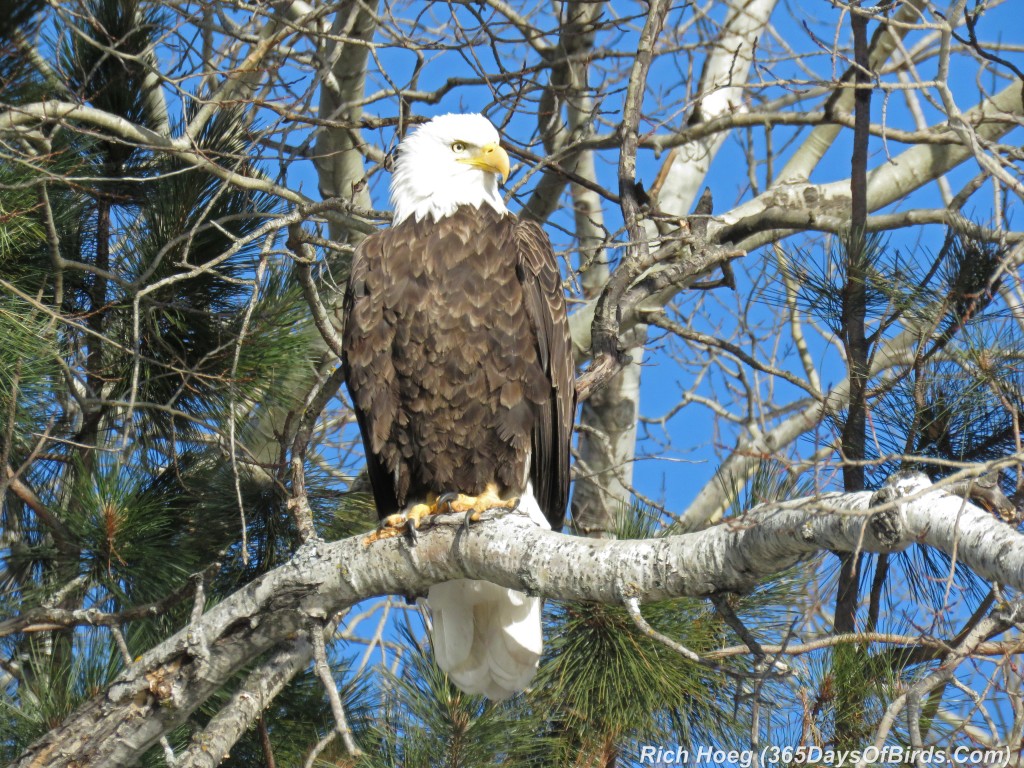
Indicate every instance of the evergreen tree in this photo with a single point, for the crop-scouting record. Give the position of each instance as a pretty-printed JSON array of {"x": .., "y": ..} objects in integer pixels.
[{"x": 177, "y": 455}]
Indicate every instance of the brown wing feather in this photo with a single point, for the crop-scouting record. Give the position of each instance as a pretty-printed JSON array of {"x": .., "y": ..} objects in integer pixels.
[
  {"x": 457, "y": 357},
  {"x": 544, "y": 303},
  {"x": 370, "y": 376}
]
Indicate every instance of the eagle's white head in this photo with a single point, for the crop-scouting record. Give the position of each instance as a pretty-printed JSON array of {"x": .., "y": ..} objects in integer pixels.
[{"x": 453, "y": 160}]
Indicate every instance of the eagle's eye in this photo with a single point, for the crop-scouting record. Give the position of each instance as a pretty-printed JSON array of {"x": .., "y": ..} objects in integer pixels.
[{"x": 458, "y": 147}]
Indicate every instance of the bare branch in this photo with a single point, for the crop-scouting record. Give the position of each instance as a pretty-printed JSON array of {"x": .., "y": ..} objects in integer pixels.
[{"x": 162, "y": 687}]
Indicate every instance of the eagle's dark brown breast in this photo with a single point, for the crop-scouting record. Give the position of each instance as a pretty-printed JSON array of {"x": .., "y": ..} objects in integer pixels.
[{"x": 458, "y": 361}]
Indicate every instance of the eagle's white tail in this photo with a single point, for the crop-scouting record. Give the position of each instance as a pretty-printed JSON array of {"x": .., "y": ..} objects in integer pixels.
[{"x": 488, "y": 638}]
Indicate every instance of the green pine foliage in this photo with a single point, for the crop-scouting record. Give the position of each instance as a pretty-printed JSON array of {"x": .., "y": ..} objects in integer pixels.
[
  {"x": 603, "y": 687},
  {"x": 153, "y": 335},
  {"x": 424, "y": 721},
  {"x": 298, "y": 718},
  {"x": 118, "y": 401},
  {"x": 607, "y": 686},
  {"x": 52, "y": 685},
  {"x": 956, "y": 403},
  {"x": 952, "y": 405}
]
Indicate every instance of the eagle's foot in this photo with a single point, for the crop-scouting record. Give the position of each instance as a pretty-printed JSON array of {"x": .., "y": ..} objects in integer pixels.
[
  {"x": 475, "y": 506},
  {"x": 404, "y": 522},
  {"x": 409, "y": 520}
]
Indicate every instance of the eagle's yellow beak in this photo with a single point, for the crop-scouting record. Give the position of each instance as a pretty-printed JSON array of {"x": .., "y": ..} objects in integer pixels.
[{"x": 490, "y": 157}]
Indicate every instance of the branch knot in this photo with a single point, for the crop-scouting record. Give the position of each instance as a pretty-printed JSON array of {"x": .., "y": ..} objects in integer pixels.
[{"x": 887, "y": 524}]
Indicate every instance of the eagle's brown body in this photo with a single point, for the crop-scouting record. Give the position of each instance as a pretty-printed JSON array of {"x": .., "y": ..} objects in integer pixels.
[{"x": 458, "y": 360}]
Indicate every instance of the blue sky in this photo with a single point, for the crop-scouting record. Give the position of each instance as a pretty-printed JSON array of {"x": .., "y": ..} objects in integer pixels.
[
  {"x": 676, "y": 475},
  {"x": 807, "y": 26}
]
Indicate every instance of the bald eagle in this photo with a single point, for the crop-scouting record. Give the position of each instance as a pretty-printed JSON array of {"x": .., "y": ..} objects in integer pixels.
[{"x": 458, "y": 361}]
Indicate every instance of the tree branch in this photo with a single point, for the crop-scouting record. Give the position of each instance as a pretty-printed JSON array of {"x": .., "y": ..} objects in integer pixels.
[
  {"x": 246, "y": 705},
  {"x": 166, "y": 684},
  {"x": 908, "y": 171}
]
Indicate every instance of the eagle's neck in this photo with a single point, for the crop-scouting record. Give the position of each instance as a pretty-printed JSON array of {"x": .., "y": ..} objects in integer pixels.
[{"x": 418, "y": 193}]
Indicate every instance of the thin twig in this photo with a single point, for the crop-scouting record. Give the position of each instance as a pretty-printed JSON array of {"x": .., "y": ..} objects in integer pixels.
[
  {"x": 323, "y": 670},
  {"x": 940, "y": 676},
  {"x": 605, "y": 327},
  {"x": 633, "y": 607},
  {"x": 304, "y": 261},
  {"x": 721, "y": 603}
]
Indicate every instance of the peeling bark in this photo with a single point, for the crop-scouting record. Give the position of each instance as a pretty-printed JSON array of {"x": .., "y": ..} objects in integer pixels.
[
  {"x": 721, "y": 92},
  {"x": 887, "y": 183},
  {"x": 161, "y": 689}
]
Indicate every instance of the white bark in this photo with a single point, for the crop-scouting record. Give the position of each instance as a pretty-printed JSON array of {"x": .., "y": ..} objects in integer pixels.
[
  {"x": 609, "y": 417},
  {"x": 342, "y": 173},
  {"x": 608, "y": 420},
  {"x": 214, "y": 742},
  {"x": 339, "y": 161},
  {"x": 814, "y": 147},
  {"x": 887, "y": 183},
  {"x": 22, "y": 118},
  {"x": 722, "y": 89},
  {"x": 911, "y": 170},
  {"x": 607, "y": 447},
  {"x": 161, "y": 689},
  {"x": 715, "y": 497},
  {"x": 905, "y": 173}
]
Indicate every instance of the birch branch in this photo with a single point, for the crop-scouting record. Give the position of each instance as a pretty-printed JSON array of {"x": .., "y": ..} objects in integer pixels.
[
  {"x": 885, "y": 41},
  {"x": 750, "y": 450},
  {"x": 211, "y": 745},
  {"x": 887, "y": 183},
  {"x": 24, "y": 117},
  {"x": 160, "y": 690},
  {"x": 722, "y": 87}
]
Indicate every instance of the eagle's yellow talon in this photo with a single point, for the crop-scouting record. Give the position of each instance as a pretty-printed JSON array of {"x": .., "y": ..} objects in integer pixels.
[
  {"x": 393, "y": 521},
  {"x": 477, "y": 505},
  {"x": 473, "y": 507},
  {"x": 398, "y": 523},
  {"x": 418, "y": 511},
  {"x": 381, "y": 533}
]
